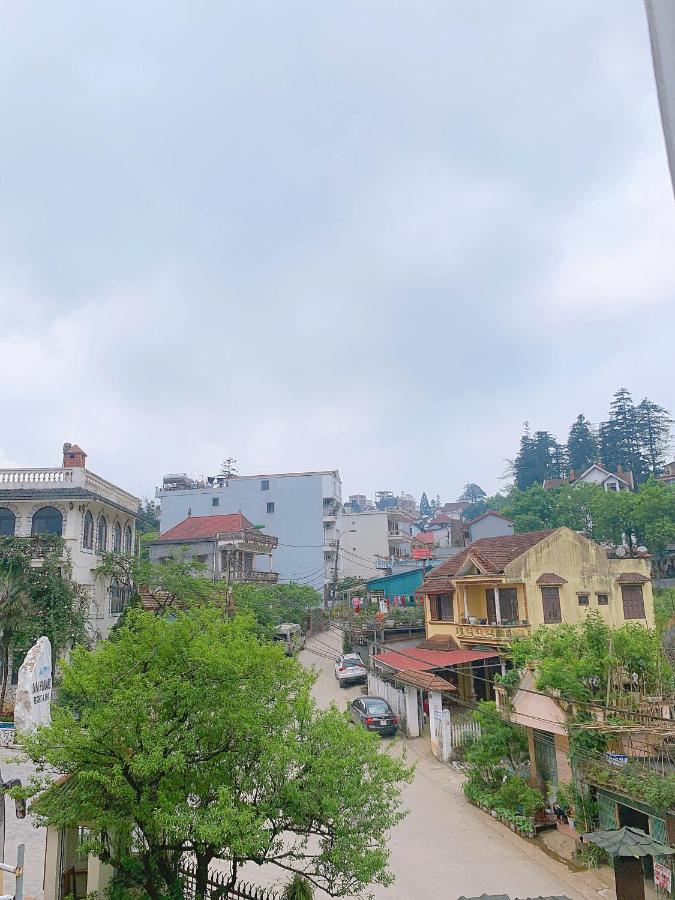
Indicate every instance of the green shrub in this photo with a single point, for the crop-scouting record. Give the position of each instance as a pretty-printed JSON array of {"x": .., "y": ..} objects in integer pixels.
[
  {"x": 298, "y": 889},
  {"x": 517, "y": 796},
  {"x": 592, "y": 857}
]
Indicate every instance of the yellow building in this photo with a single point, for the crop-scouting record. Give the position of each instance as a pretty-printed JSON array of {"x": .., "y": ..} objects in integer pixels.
[{"x": 502, "y": 587}]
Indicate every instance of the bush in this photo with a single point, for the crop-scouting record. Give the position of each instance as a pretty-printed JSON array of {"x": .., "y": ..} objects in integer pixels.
[
  {"x": 592, "y": 857},
  {"x": 298, "y": 889},
  {"x": 517, "y": 796}
]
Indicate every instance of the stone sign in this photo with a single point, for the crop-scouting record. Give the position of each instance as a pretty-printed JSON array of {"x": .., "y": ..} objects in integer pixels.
[{"x": 34, "y": 688}]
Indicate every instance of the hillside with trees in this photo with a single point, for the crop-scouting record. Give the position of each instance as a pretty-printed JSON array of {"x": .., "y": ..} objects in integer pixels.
[{"x": 633, "y": 437}]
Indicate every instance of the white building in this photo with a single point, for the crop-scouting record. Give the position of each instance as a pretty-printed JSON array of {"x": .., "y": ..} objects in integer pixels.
[
  {"x": 92, "y": 515},
  {"x": 375, "y": 542},
  {"x": 301, "y": 509}
]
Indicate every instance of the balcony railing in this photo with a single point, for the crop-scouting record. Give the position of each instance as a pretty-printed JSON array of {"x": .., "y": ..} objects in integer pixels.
[
  {"x": 494, "y": 632},
  {"x": 47, "y": 479},
  {"x": 248, "y": 539},
  {"x": 251, "y": 576}
]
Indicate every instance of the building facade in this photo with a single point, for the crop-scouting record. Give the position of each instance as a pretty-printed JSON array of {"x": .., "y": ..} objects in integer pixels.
[
  {"x": 374, "y": 542},
  {"x": 500, "y": 588},
  {"x": 490, "y": 524},
  {"x": 228, "y": 547},
  {"x": 92, "y": 516},
  {"x": 300, "y": 509}
]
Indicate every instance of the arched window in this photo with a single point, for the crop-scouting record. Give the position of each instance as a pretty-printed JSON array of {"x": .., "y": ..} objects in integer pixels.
[
  {"x": 128, "y": 541},
  {"x": 117, "y": 538},
  {"x": 7, "y": 522},
  {"x": 88, "y": 531},
  {"x": 101, "y": 534},
  {"x": 47, "y": 520}
]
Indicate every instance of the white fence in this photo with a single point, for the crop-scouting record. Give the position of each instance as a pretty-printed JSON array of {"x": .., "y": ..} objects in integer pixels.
[
  {"x": 394, "y": 696},
  {"x": 453, "y": 734}
]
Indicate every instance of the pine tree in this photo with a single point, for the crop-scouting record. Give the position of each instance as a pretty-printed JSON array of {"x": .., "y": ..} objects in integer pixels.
[
  {"x": 582, "y": 445},
  {"x": 540, "y": 457},
  {"x": 620, "y": 443},
  {"x": 425, "y": 506},
  {"x": 472, "y": 493},
  {"x": 654, "y": 423}
]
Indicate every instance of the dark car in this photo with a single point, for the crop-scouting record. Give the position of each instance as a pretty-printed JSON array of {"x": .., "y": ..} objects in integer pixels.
[{"x": 375, "y": 714}]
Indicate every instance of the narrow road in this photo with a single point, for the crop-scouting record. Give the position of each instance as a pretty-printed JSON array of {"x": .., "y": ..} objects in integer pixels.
[{"x": 446, "y": 848}]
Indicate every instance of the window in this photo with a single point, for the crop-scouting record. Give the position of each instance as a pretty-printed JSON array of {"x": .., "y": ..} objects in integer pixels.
[
  {"x": 265, "y": 484},
  {"x": 47, "y": 520},
  {"x": 550, "y": 598},
  {"x": 633, "y": 601},
  {"x": 508, "y": 605},
  {"x": 119, "y": 597},
  {"x": 215, "y": 501},
  {"x": 128, "y": 541},
  {"x": 441, "y": 607},
  {"x": 88, "y": 531},
  {"x": 603, "y": 600},
  {"x": 270, "y": 507},
  {"x": 582, "y": 599},
  {"x": 7, "y": 522},
  {"x": 101, "y": 534},
  {"x": 117, "y": 538}
]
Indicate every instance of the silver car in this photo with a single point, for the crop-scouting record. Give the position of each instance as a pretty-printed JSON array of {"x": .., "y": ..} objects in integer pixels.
[{"x": 349, "y": 669}]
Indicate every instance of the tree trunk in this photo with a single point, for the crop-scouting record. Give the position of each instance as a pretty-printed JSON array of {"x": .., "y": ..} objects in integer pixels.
[{"x": 5, "y": 676}]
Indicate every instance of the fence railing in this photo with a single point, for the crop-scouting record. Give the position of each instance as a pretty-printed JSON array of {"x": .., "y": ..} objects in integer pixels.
[{"x": 217, "y": 890}]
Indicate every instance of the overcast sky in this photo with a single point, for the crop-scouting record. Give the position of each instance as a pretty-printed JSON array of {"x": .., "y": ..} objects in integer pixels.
[{"x": 366, "y": 234}]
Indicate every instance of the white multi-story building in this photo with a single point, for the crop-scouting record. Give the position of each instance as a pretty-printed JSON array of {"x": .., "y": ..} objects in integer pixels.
[
  {"x": 92, "y": 515},
  {"x": 301, "y": 509},
  {"x": 374, "y": 542}
]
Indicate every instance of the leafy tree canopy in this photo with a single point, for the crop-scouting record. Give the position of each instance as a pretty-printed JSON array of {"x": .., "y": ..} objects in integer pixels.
[
  {"x": 575, "y": 660},
  {"x": 191, "y": 736}
]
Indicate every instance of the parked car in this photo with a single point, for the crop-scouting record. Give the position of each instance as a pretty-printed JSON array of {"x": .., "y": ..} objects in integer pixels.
[
  {"x": 349, "y": 669},
  {"x": 375, "y": 714}
]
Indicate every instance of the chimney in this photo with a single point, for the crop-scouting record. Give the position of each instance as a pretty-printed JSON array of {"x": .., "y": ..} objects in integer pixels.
[
  {"x": 73, "y": 457},
  {"x": 572, "y": 475}
]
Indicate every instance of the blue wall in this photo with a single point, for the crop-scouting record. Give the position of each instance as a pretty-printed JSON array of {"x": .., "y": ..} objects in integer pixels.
[{"x": 397, "y": 585}]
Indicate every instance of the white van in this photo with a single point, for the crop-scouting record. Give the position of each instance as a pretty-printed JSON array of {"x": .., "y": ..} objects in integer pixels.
[{"x": 291, "y": 635}]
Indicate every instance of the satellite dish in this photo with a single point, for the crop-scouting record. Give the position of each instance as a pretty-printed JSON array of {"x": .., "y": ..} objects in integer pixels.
[
  {"x": 642, "y": 550},
  {"x": 620, "y": 551}
]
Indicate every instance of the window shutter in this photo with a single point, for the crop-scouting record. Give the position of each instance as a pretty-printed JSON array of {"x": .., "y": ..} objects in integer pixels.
[
  {"x": 550, "y": 597},
  {"x": 633, "y": 601}
]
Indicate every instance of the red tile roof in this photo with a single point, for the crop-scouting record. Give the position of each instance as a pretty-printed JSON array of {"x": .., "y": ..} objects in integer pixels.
[
  {"x": 424, "y": 537},
  {"x": 204, "y": 527},
  {"x": 553, "y": 483},
  {"x": 489, "y": 512},
  {"x": 551, "y": 578},
  {"x": 440, "y": 520},
  {"x": 492, "y": 554},
  {"x": 419, "y": 660},
  {"x": 632, "y": 578},
  {"x": 425, "y": 680}
]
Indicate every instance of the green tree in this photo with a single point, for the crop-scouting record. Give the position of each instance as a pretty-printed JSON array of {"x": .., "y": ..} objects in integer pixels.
[
  {"x": 425, "y": 506},
  {"x": 192, "y": 736},
  {"x": 654, "y": 424},
  {"x": 539, "y": 457},
  {"x": 276, "y": 603},
  {"x": 44, "y": 599},
  {"x": 582, "y": 445},
  {"x": 620, "y": 437},
  {"x": 472, "y": 493},
  {"x": 16, "y": 610},
  {"x": 500, "y": 748},
  {"x": 148, "y": 517}
]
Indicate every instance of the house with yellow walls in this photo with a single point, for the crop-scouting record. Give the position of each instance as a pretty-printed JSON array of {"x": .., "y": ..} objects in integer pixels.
[{"x": 503, "y": 587}]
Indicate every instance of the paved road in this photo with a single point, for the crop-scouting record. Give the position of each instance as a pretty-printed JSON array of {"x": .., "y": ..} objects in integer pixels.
[{"x": 446, "y": 848}]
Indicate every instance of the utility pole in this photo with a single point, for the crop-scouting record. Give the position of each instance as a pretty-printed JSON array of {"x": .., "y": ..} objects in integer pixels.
[{"x": 335, "y": 571}]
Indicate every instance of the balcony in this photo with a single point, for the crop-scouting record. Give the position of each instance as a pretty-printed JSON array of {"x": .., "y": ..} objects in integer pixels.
[
  {"x": 399, "y": 537},
  {"x": 30, "y": 482},
  {"x": 502, "y": 634},
  {"x": 251, "y": 576},
  {"x": 253, "y": 542}
]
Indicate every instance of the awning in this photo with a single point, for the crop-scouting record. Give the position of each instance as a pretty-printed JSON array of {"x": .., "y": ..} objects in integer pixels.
[
  {"x": 627, "y": 841},
  {"x": 632, "y": 578},
  {"x": 420, "y": 660},
  {"x": 424, "y": 680}
]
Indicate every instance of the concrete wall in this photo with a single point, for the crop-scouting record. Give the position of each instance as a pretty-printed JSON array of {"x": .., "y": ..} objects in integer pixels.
[
  {"x": 490, "y": 526},
  {"x": 586, "y": 568},
  {"x": 366, "y": 536},
  {"x": 297, "y": 520}
]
